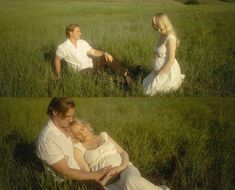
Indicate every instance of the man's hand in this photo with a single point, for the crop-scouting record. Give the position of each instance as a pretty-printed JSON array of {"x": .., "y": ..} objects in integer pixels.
[
  {"x": 56, "y": 77},
  {"x": 108, "y": 57},
  {"x": 116, "y": 170},
  {"x": 101, "y": 173},
  {"x": 112, "y": 175}
]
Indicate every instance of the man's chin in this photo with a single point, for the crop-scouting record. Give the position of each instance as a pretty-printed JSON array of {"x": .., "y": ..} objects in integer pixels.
[{"x": 65, "y": 126}]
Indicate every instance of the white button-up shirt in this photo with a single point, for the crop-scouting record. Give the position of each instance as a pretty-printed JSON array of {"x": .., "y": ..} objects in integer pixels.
[
  {"x": 53, "y": 145},
  {"x": 76, "y": 57}
]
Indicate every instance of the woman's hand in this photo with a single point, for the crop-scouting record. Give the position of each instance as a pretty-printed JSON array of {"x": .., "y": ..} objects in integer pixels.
[{"x": 163, "y": 70}]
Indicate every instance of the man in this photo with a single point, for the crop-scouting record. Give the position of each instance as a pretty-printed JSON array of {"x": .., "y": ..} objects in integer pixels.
[
  {"x": 54, "y": 146},
  {"x": 80, "y": 56}
]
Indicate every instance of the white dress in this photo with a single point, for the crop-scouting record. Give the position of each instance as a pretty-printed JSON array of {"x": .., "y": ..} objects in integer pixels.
[
  {"x": 102, "y": 156},
  {"x": 105, "y": 155},
  {"x": 164, "y": 82}
]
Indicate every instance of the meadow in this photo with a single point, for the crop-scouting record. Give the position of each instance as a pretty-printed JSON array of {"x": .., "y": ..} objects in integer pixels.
[
  {"x": 31, "y": 30},
  {"x": 198, "y": 133}
]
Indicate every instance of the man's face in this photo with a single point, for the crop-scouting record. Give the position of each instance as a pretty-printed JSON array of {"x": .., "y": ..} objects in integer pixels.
[
  {"x": 65, "y": 120},
  {"x": 76, "y": 33}
]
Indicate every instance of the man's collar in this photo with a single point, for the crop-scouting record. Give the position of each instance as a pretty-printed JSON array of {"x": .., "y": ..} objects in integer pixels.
[{"x": 56, "y": 129}]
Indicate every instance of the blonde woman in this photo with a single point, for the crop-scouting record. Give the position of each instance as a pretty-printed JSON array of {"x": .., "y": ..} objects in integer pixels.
[
  {"x": 166, "y": 74},
  {"x": 94, "y": 152}
]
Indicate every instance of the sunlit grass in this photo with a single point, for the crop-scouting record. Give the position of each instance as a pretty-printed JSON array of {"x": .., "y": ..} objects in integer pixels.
[
  {"x": 197, "y": 131},
  {"x": 31, "y": 30}
]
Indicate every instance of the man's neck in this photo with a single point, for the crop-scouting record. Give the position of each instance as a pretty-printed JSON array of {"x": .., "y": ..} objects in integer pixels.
[
  {"x": 63, "y": 130},
  {"x": 73, "y": 41}
]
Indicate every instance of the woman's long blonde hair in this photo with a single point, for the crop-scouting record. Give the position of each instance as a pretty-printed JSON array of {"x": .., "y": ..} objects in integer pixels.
[
  {"x": 162, "y": 20},
  {"x": 82, "y": 123}
]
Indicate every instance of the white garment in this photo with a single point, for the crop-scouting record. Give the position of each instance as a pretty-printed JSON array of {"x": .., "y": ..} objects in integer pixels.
[
  {"x": 106, "y": 154},
  {"x": 53, "y": 145},
  {"x": 76, "y": 57},
  {"x": 102, "y": 156},
  {"x": 131, "y": 179},
  {"x": 164, "y": 82}
]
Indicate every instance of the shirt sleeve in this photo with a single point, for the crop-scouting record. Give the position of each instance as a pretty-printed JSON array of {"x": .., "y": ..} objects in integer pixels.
[
  {"x": 86, "y": 47},
  {"x": 104, "y": 135},
  {"x": 50, "y": 152},
  {"x": 60, "y": 52}
]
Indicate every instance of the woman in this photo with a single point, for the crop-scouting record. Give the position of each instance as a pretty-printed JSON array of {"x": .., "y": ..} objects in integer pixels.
[
  {"x": 166, "y": 74},
  {"x": 93, "y": 152}
]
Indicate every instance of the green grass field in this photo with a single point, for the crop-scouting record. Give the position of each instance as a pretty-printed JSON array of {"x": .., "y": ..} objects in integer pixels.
[
  {"x": 199, "y": 132},
  {"x": 30, "y": 31}
]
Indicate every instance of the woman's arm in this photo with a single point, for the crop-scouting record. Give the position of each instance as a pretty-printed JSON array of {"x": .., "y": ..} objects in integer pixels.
[
  {"x": 79, "y": 157},
  {"x": 123, "y": 154},
  {"x": 171, "y": 48}
]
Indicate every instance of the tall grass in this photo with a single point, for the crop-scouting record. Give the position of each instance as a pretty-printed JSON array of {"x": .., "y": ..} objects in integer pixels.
[
  {"x": 198, "y": 132},
  {"x": 31, "y": 30}
]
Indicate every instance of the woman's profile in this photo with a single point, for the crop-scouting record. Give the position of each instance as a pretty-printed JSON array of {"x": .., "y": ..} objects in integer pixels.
[{"x": 166, "y": 74}]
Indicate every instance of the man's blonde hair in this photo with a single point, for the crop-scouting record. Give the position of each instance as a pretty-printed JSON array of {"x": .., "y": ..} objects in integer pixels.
[{"x": 70, "y": 28}]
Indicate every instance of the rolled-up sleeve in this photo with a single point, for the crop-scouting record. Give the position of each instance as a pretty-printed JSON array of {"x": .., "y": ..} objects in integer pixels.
[{"x": 60, "y": 52}]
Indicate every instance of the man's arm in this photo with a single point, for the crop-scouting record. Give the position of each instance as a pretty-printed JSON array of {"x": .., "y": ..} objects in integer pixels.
[
  {"x": 57, "y": 67},
  {"x": 98, "y": 53},
  {"x": 62, "y": 168}
]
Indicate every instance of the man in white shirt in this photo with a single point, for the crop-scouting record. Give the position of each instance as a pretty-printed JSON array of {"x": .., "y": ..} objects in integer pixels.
[
  {"x": 54, "y": 146},
  {"x": 77, "y": 53}
]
